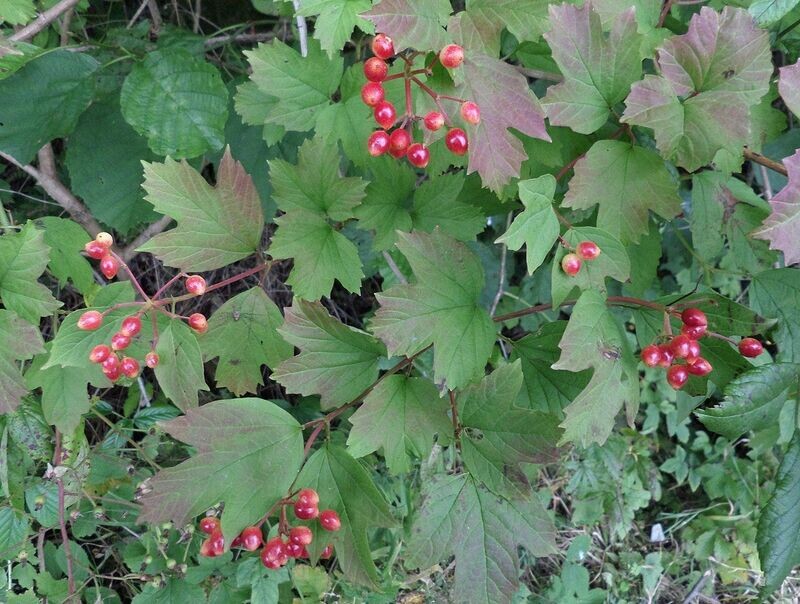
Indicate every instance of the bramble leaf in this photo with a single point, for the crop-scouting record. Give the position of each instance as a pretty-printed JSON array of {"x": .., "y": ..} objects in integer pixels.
[
  {"x": 336, "y": 20},
  {"x": 21, "y": 341},
  {"x": 180, "y": 367},
  {"x": 417, "y": 24},
  {"x": 782, "y": 226}
]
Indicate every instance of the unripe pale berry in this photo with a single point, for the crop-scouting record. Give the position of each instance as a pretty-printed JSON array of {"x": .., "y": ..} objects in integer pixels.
[
  {"x": 151, "y": 360},
  {"x": 385, "y": 114},
  {"x": 196, "y": 285},
  {"x": 95, "y": 250},
  {"x": 329, "y": 520},
  {"x": 750, "y": 347},
  {"x": 197, "y": 321},
  {"x": 651, "y": 355},
  {"x": 451, "y": 56},
  {"x": 588, "y": 250},
  {"x": 375, "y": 69},
  {"x": 383, "y": 46},
  {"x": 677, "y": 376},
  {"x": 109, "y": 266},
  {"x": 470, "y": 112},
  {"x": 104, "y": 239},
  {"x": 99, "y": 353},
  {"x": 399, "y": 140},
  {"x": 378, "y": 143},
  {"x": 119, "y": 341},
  {"x": 90, "y": 320},
  {"x": 418, "y": 155},
  {"x": 372, "y": 93},
  {"x": 433, "y": 121},
  {"x": 456, "y": 141},
  {"x": 129, "y": 367},
  {"x": 131, "y": 326},
  {"x": 209, "y": 524},
  {"x": 571, "y": 264},
  {"x": 694, "y": 317}
]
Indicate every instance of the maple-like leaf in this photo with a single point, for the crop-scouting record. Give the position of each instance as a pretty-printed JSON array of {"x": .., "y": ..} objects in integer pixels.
[
  {"x": 417, "y": 24},
  {"x": 483, "y": 530},
  {"x": 247, "y": 442},
  {"x": 21, "y": 340},
  {"x": 782, "y": 226},
  {"x": 335, "y": 21},
  {"x": 217, "y": 225},
  {"x": 710, "y": 78},
  {"x": 441, "y": 308},
  {"x": 180, "y": 366},
  {"x": 598, "y": 69},
  {"x": 635, "y": 182},
  {"x": 243, "y": 333},
  {"x": 346, "y": 487},
  {"x": 486, "y": 20},
  {"x": 336, "y": 361},
  {"x": 789, "y": 86}
]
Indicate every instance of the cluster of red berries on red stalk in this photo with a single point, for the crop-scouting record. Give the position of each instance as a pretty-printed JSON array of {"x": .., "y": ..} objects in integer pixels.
[
  {"x": 291, "y": 542},
  {"x": 399, "y": 142},
  {"x": 572, "y": 262}
]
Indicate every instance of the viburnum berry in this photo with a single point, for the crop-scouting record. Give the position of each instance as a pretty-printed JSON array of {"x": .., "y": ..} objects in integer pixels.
[
  {"x": 456, "y": 141},
  {"x": 274, "y": 553},
  {"x": 666, "y": 355},
  {"x": 251, "y": 538},
  {"x": 129, "y": 367},
  {"x": 677, "y": 375},
  {"x": 694, "y": 317},
  {"x": 378, "y": 143},
  {"x": 588, "y": 250},
  {"x": 198, "y": 322},
  {"x": 305, "y": 511},
  {"x": 196, "y": 285},
  {"x": 694, "y": 350},
  {"x": 418, "y": 155},
  {"x": 308, "y": 497},
  {"x": 470, "y": 112},
  {"x": 385, "y": 114},
  {"x": 104, "y": 239},
  {"x": 699, "y": 366},
  {"x": 327, "y": 552},
  {"x": 451, "y": 56},
  {"x": 750, "y": 347},
  {"x": 651, "y": 355},
  {"x": 112, "y": 362},
  {"x": 119, "y": 341},
  {"x": 695, "y": 332},
  {"x": 151, "y": 360},
  {"x": 399, "y": 141},
  {"x": 131, "y": 326},
  {"x": 217, "y": 542},
  {"x": 209, "y": 524},
  {"x": 99, "y": 353},
  {"x": 112, "y": 373},
  {"x": 372, "y": 93},
  {"x": 95, "y": 249},
  {"x": 383, "y": 46},
  {"x": 433, "y": 121},
  {"x": 206, "y": 550},
  {"x": 294, "y": 550},
  {"x": 680, "y": 346},
  {"x": 109, "y": 266},
  {"x": 330, "y": 521},
  {"x": 571, "y": 264},
  {"x": 90, "y": 320},
  {"x": 237, "y": 541},
  {"x": 301, "y": 535},
  {"x": 376, "y": 69}
]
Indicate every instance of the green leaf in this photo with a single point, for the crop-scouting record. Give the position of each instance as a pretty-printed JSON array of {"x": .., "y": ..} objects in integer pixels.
[
  {"x": 598, "y": 68},
  {"x": 248, "y": 442},
  {"x": 776, "y": 294},
  {"x": 417, "y": 24},
  {"x": 350, "y": 122},
  {"x": 402, "y": 415},
  {"x": 437, "y": 204},
  {"x": 498, "y": 436},
  {"x": 346, "y": 487},
  {"x": 778, "y": 537},
  {"x": 753, "y": 400},
  {"x": 43, "y": 101},
  {"x": 524, "y": 19},
  {"x": 335, "y": 361},
  {"x": 782, "y": 227},
  {"x": 710, "y": 197},
  {"x": 769, "y": 12},
  {"x": 178, "y": 102},
  {"x": 23, "y": 258},
  {"x": 725, "y": 316},
  {"x": 254, "y": 106},
  {"x": 487, "y": 565},
  {"x": 17, "y": 12},
  {"x": 66, "y": 239},
  {"x": 173, "y": 590},
  {"x": 635, "y": 182},
  {"x": 216, "y": 225},
  {"x": 711, "y": 77},
  {"x": 21, "y": 341},
  {"x": 14, "y": 529},
  {"x": 298, "y": 88},
  {"x": 336, "y": 20},
  {"x": 243, "y": 334},
  {"x": 180, "y": 366},
  {"x": 536, "y": 226},
  {"x": 311, "y": 582},
  {"x": 441, "y": 308},
  {"x": 647, "y": 13},
  {"x": 321, "y": 255}
]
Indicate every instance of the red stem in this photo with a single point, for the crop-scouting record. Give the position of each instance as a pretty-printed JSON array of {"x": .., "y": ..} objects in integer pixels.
[
  {"x": 167, "y": 284},
  {"x": 211, "y": 288},
  {"x": 133, "y": 278},
  {"x": 436, "y": 99}
]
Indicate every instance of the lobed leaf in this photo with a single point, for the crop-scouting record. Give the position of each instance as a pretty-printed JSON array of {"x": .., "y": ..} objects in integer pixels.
[
  {"x": 21, "y": 340},
  {"x": 417, "y": 24},
  {"x": 776, "y": 294},
  {"x": 180, "y": 367},
  {"x": 336, "y": 20},
  {"x": 782, "y": 226}
]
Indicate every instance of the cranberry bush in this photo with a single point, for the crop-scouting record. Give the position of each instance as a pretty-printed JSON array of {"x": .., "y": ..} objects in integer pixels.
[{"x": 340, "y": 296}]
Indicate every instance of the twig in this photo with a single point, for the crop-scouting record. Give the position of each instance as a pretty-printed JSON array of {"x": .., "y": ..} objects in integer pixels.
[
  {"x": 767, "y": 185},
  {"x": 766, "y": 162},
  {"x": 664, "y": 12},
  {"x": 454, "y": 414},
  {"x": 538, "y": 74},
  {"x": 138, "y": 12},
  {"x": 695, "y": 591},
  {"x": 65, "y": 539},
  {"x": 154, "y": 229},
  {"x": 43, "y": 20},
  {"x": 238, "y": 38},
  {"x": 500, "y": 286},
  {"x": 302, "y": 29},
  {"x": 65, "y": 23},
  {"x": 395, "y": 269},
  {"x": 152, "y": 8}
]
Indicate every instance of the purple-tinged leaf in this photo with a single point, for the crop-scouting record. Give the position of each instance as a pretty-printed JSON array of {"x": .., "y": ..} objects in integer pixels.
[
  {"x": 782, "y": 227},
  {"x": 487, "y": 18},
  {"x": 417, "y": 24},
  {"x": 789, "y": 86}
]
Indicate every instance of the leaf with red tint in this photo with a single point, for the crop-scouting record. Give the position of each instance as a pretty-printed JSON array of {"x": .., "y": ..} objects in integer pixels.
[
  {"x": 789, "y": 86},
  {"x": 417, "y": 24},
  {"x": 782, "y": 227}
]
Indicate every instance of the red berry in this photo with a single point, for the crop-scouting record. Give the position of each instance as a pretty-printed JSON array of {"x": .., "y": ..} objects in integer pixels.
[
  {"x": 112, "y": 362},
  {"x": 399, "y": 140},
  {"x": 666, "y": 355},
  {"x": 206, "y": 550},
  {"x": 385, "y": 114},
  {"x": 451, "y": 56},
  {"x": 217, "y": 542},
  {"x": 329, "y": 520},
  {"x": 90, "y": 320},
  {"x": 418, "y": 155},
  {"x": 304, "y": 553},
  {"x": 376, "y": 69},
  {"x": 378, "y": 143},
  {"x": 95, "y": 250},
  {"x": 130, "y": 367},
  {"x": 372, "y": 93},
  {"x": 470, "y": 112},
  {"x": 750, "y": 347},
  {"x": 694, "y": 332},
  {"x": 104, "y": 239},
  {"x": 694, "y": 317},
  {"x": 197, "y": 321},
  {"x": 305, "y": 511},
  {"x": 434, "y": 120},
  {"x": 119, "y": 341},
  {"x": 109, "y": 266},
  {"x": 588, "y": 250},
  {"x": 196, "y": 285},
  {"x": 99, "y": 353},
  {"x": 308, "y": 497},
  {"x": 301, "y": 535},
  {"x": 571, "y": 264},
  {"x": 694, "y": 350},
  {"x": 677, "y": 375},
  {"x": 237, "y": 541},
  {"x": 151, "y": 360},
  {"x": 382, "y": 46},
  {"x": 251, "y": 538},
  {"x": 680, "y": 346},
  {"x": 112, "y": 373},
  {"x": 651, "y": 355},
  {"x": 699, "y": 366},
  {"x": 131, "y": 326},
  {"x": 327, "y": 552},
  {"x": 274, "y": 553},
  {"x": 294, "y": 550},
  {"x": 456, "y": 141},
  {"x": 209, "y": 524}
]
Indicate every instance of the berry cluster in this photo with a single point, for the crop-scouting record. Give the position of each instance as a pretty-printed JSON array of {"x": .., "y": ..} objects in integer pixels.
[
  {"x": 571, "y": 263},
  {"x": 399, "y": 142}
]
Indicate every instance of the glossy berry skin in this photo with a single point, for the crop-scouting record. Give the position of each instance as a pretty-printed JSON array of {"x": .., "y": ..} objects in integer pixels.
[
  {"x": 694, "y": 350},
  {"x": 588, "y": 250},
  {"x": 383, "y": 46},
  {"x": 99, "y": 353},
  {"x": 418, "y": 155},
  {"x": 433, "y": 121},
  {"x": 666, "y": 355},
  {"x": 399, "y": 141},
  {"x": 694, "y": 317},
  {"x": 217, "y": 542},
  {"x": 451, "y": 56},
  {"x": 274, "y": 553},
  {"x": 251, "y": 538},
  {"x": 104, "y": 239},
  {"x": 112, "y": 373},
  {"x": 196, "y": 285},
  {"x": 375, "y": 69},
  {"x": 750, "y": 347},
  {"x": 119, "y": 341},
  {"x": 129, "y": 367},
  {"x": 694, "y": 332},
  {"x": 385, "y": 114},
  {"x": 308, "y": 497},
  {"x": 456, "y": 141},
  {"x": 470, "y": 112},
  {"x": 571, "y": 264},
  {"x": 112, "y": 362},
  {"x": 131, "y": 326},
  {"x": 305, "y": 511},
  {"x": 329, "y": 520},
  {"x": 378, "y": 143},
  {"x": 209, "y": 524},
  {"x": 651, "y": 355},
  {"x": 197, "y": 321},
  {"x": 294, "y": 550},
  {"x": 151, "y": 360},
  {"x": 90, "y": 320},
  {"x": 699, "y": 366},
  {"x": 677, "y": 376},
  {"x": 372, "y": 93},
  {"x": 680, "y": 346},
  {"x": 301, "y": 535},
  {"x": 327, "y": 552},
  {"x": 206, "y": 550},
  {"x": 95, "y": 250},
  {"x": 109, "y": 266}
]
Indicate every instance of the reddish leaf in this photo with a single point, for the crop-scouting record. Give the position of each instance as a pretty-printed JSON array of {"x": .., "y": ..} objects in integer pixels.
[
  {"x": 417, "y": 24},
  {"x": 789, "y": 86},
  {"x": 782, "y": 227}
]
